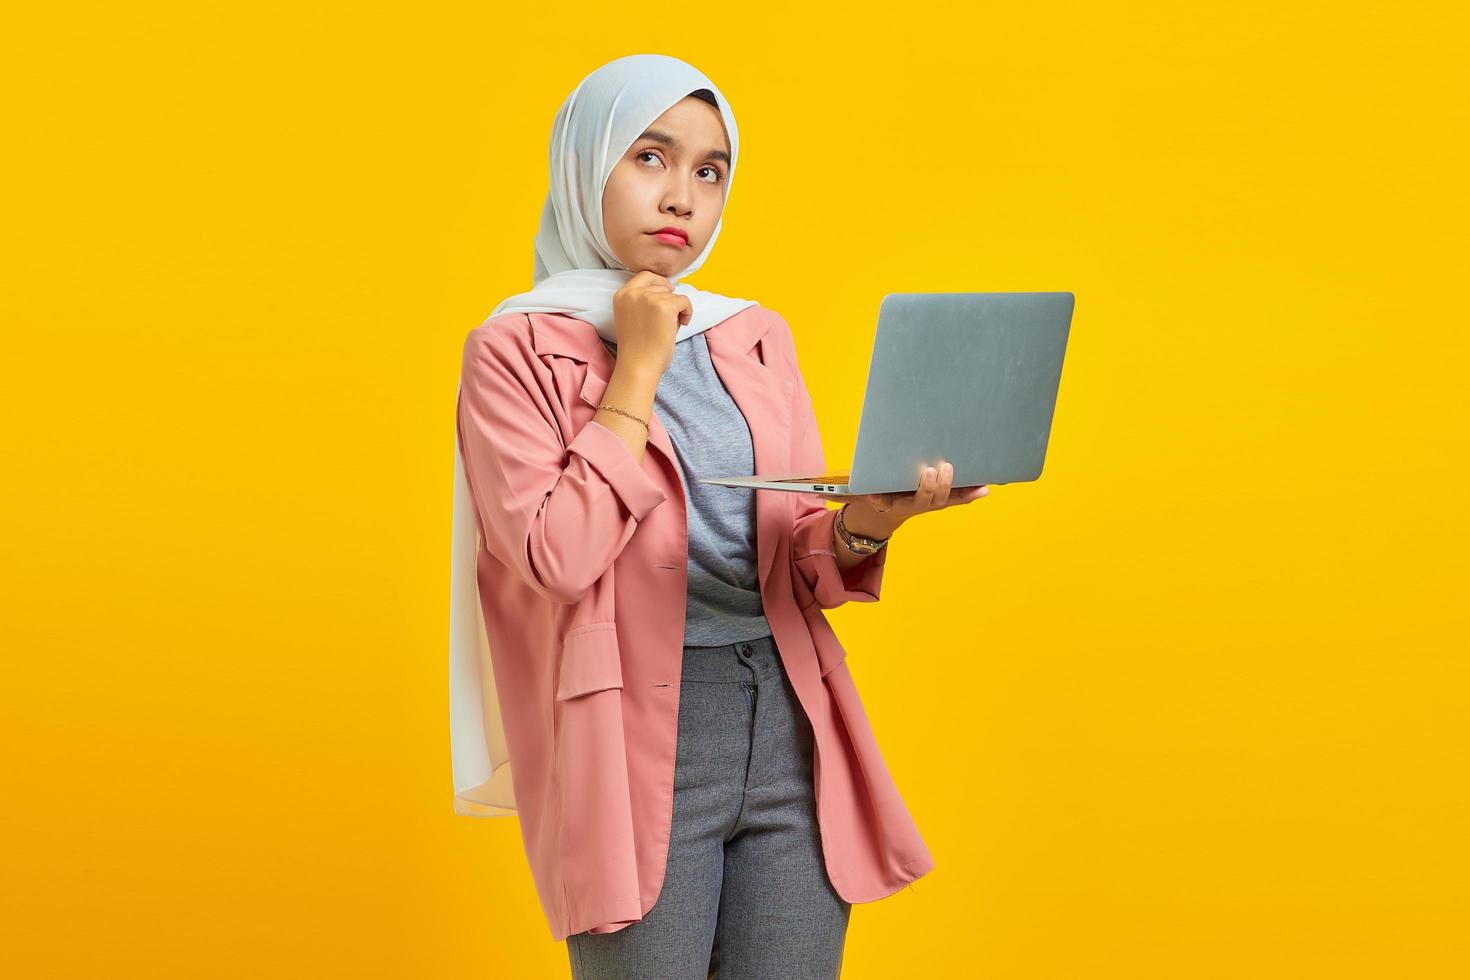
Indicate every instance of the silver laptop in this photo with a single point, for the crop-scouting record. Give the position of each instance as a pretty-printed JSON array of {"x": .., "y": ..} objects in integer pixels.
[{"x": 966, "y": 377}]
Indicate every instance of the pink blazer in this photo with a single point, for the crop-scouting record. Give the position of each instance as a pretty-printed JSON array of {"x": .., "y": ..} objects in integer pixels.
[{"x": 582, "y": 578}]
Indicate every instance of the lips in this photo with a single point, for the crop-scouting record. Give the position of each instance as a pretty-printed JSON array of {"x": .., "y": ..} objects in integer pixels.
[{"x": 679, "y": 232}]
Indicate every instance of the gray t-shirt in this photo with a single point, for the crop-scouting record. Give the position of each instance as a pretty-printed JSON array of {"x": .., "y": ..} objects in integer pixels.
[{"x": 711, "y": 438}]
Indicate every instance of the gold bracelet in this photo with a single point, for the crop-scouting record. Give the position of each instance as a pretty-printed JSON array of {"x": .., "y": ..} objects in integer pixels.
[{"x": 635, "y": 418}]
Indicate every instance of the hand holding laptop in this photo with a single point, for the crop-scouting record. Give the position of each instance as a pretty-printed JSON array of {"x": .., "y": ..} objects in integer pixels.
[{"x": 934, "y": 493}]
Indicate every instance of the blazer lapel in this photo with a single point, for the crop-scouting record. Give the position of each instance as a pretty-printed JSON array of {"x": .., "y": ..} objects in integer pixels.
[
  {"x": 570, "y": 337},
  {"x": 761, "y": 392}
]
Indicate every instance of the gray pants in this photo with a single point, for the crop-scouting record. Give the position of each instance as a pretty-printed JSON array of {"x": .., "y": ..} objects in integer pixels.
[{"x": 745, "y": 894}]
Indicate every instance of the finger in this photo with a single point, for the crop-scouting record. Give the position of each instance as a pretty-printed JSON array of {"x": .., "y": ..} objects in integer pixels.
[
  {"x": 942, "y": 487},
  {"x": 924, "y": 496}
]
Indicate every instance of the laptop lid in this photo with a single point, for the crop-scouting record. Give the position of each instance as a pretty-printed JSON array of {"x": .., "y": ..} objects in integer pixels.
[{"x": 967, "y": 377}]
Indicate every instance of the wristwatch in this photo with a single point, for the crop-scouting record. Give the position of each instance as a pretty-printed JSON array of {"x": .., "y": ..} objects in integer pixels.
[{"x": 858, "y": 544}]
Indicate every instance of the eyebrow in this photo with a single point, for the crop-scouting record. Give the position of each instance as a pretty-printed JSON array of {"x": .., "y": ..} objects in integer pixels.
[{"x": 658, "y": 136}]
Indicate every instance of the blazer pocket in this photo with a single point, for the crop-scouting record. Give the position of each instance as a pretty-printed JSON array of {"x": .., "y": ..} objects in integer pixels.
[
  {"x": 595, "y": 836},
  {"x": 590, "y": 661}
]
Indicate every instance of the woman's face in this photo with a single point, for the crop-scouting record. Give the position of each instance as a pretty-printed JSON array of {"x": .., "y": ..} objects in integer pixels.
[{"x": 672, "y": 176}]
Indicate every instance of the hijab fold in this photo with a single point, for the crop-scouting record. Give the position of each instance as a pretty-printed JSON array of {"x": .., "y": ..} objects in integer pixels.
[{"x": 576, "y": 273}]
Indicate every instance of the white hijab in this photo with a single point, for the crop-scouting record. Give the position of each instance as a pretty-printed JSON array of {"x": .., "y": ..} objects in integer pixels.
[{"x": 575, "y": 272}]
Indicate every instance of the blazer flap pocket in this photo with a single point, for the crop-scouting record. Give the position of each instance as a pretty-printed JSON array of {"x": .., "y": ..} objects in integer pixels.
[{"x": 590, "y": 661}]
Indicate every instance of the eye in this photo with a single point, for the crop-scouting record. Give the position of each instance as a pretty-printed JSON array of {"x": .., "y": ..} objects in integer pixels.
[{"x": 719, "y": 177}]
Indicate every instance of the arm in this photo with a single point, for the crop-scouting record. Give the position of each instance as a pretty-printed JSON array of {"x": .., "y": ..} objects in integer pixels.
[
  {"x": 864, "y": 520},
  {"x": 556, "y": 512},
  {"x": 821, "y": 560}
]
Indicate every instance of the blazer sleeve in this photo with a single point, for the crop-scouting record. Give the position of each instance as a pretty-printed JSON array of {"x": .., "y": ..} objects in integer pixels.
[
  {"x": 557, "y": 512},
  {"x": 812, "y": 555}
]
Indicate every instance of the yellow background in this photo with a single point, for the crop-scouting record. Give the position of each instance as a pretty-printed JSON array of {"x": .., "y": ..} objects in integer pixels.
[{"x": 1193, "y": 705}]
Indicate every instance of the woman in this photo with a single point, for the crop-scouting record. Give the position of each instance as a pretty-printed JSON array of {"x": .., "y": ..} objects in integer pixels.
[{"x": 640, "y": 665}]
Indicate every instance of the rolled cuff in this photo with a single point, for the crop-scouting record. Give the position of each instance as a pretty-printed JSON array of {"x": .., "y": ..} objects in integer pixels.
[
  {"x": 609, "y": 455},
  {"x": 815, "y": 560}
]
